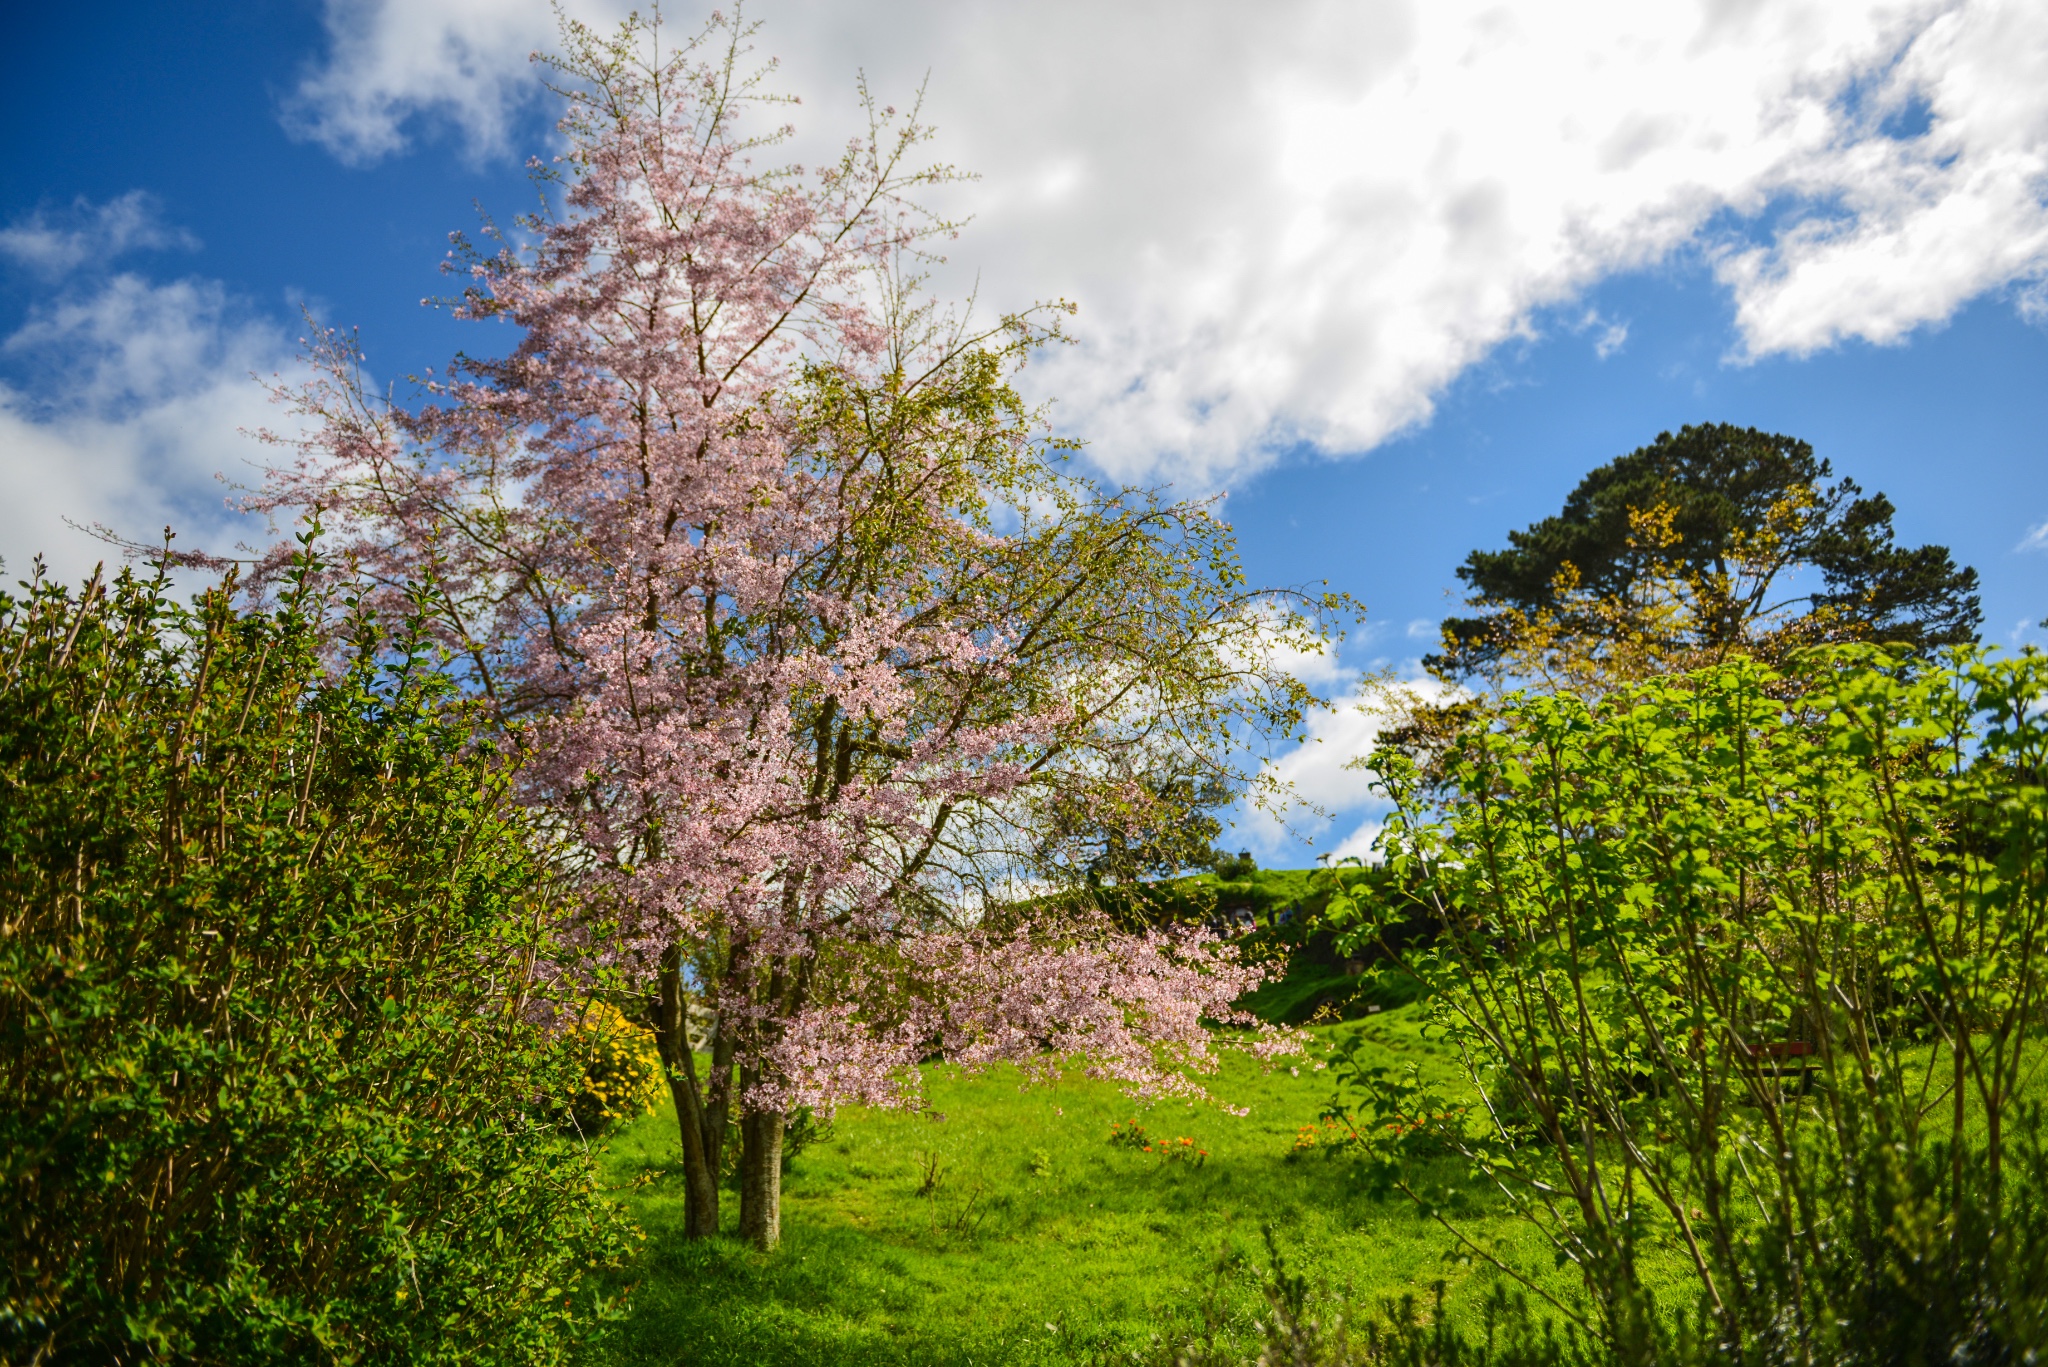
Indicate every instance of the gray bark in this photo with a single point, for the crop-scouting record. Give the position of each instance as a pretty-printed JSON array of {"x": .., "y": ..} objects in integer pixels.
[{"x": 761, "y": 1179}]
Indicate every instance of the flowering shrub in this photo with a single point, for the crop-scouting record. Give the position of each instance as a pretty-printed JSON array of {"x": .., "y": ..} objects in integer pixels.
[
  {"x": 1129, "y": 1135},
  {"x": 1324, "y": 1136},
  {"x": 622, "y": 1075},
  {"x": 1182, "y": 1149}
]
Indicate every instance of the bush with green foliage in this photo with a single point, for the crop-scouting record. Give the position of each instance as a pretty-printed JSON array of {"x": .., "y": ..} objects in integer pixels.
[
  {"x": 1234, "y": 868},
  {"x": 1749, "y": 972},
  {"x": 271, "y": 929}
]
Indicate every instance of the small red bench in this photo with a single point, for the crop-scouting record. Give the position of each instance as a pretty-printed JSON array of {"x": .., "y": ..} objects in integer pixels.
[{"x": 1782, "y": 1059}]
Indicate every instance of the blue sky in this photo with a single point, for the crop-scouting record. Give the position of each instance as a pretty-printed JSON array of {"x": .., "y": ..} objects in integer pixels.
[{"x": 1392, "y": 276}]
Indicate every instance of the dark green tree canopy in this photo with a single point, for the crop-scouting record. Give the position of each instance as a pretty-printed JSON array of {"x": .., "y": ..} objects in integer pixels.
[
  {"x": 1171, "y": 829},
  {"x": 1740, "y": 512}
]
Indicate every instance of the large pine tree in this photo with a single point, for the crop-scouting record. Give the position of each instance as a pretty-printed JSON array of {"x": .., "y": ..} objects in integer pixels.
[{"x": 1740, "y": 536}]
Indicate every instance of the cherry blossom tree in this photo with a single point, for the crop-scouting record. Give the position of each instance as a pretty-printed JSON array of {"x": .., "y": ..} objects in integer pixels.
[{"x": 797, "y": 617}]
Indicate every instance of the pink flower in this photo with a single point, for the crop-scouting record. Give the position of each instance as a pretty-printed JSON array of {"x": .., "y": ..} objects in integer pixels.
[{"x": 763, "y": 575}]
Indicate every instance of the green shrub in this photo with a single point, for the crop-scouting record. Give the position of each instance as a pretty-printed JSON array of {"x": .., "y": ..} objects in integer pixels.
[
  {"x": 271, "y": 926},
  {"x": 1235, "y": 868},
  {"x": 1748, "y": 971}
]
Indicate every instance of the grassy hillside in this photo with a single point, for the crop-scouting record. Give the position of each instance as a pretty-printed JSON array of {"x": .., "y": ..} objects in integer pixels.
[
  {"x": 1284, "y": 906},
  {"x": 1002, "y": 1226},
  {"x": 1269, "y": 894}
]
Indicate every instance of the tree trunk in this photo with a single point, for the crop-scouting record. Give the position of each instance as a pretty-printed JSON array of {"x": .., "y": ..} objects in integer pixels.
[
  {"x": 761, "y": 1132},
  {"x": 700, "y": 1161},
  {"x": 761, "y": 1179},
  {"x": 718, "y": 1100}
]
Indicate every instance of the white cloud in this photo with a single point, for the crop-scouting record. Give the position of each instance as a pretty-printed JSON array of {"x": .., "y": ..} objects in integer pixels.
[
  {"x": 1319, "y": 668},
  {"x": 1611, "y": 335},
  {"x": 2036, "y": 539},
  {"x": 1358, "y": 844},
  {"x": 2030, "y": 301},
  {"x": 1914, "y": 226},
  {"x": 1297, "y": 223},
  {"x": 54, "y": 243},
  {"x": 137, "y": 395},
  {"x": 460, "y": 62},
  {"x": 1320, "y": 772}
]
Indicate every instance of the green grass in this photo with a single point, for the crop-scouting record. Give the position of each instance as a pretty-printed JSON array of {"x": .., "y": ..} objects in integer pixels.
[{"x": 1040, "y": 1242}]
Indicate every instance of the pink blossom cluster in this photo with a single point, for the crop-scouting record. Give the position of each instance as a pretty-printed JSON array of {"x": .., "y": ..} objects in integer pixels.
[
  {"x": 1139, "y": 1009},
  {"x": 737, "y": 597}
]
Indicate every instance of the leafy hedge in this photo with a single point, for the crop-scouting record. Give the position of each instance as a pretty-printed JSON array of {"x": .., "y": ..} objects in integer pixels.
[
  {"x": 270, "y": 926},
  {"x": 1748, "y": 972}
]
